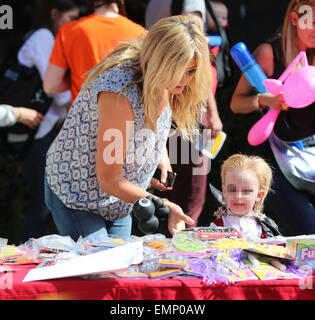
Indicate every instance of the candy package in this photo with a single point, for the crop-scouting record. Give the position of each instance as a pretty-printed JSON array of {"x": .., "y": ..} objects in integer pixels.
[
  {"x": 156, "y": 241},
  {"x": 164, "y": 273},
  {"x": 265, "y": 269},
  {"x": 302, "y": 249},
  {"x": 101, "y": 239},
  {"x": 190, "y": 273},
  {"x": 55, "y": 243},
  {"x": 18, "y": 255},
  {"x": 189, "y": 242},
  {"x": 225, "y": 266},
  {"x": 150, "y": 260},
  {"x": 131, "y": 272},
  {"x": 173, "y": 261},
  {"x": 272, "y": 250},
  {"x": 211, "y": 234},
  {"x": 233, "y": 259}
]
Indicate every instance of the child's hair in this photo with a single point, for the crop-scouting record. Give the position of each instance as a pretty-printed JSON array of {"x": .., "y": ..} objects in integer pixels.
[
  {"x": 254, "y": 163},
  {"x": 160, "y": 61}
]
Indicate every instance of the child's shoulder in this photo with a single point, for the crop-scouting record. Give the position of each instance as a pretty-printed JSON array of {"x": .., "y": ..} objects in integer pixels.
[{"x": 269, "y": 226}]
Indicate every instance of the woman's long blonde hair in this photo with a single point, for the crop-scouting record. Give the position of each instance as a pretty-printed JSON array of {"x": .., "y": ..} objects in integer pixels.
[
  {"x": 289, "y": 34},
  {"x": 257, "y": 165},
  {"x": 159, "y": 61}
]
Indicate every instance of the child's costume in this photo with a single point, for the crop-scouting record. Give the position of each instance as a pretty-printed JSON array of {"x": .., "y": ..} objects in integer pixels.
[{"x": 253, "y": 225}]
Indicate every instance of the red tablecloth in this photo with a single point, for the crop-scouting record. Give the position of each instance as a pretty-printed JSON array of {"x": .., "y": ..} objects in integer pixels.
[{"x": 146, "y": 289}]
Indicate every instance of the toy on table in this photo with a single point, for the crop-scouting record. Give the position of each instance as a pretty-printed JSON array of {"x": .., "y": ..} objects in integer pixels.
[
  {"x": 187, "y": 242},
  {"x": 226, "y": 266},
  {"x": 210, "y": 234},
  {"x": 173, "y": 261},
  {"x": 22, "y": 254},
  {"x": 302, "y": 249},
  {"x": 101, "y": 239},
  {"x": 267, "y": 268},
  {"x": 148, "y": 212},
  {"x": 156, "y": 241},
  {"x": 298, "y": 88},
  {"x": 271, "y": 250}
]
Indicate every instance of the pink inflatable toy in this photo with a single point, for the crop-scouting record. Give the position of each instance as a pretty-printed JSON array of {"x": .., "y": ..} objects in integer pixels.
[{"x": 298, "y": 89}]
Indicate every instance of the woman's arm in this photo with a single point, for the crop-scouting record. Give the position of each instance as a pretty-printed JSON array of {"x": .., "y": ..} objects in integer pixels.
[
  {"x": 10, "y": 115},
  {"x": 112, "y": 137},
  {"x": 242, "y": 100},
  {"x": 56, "y": 79},
  {"x": 211, "y": 117}
]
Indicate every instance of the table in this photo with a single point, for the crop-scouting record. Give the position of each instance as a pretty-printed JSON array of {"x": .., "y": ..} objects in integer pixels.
[{"x": 12, "y": 288}]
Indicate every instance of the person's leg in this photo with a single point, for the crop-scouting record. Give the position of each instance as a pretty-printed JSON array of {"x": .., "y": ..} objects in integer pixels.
[
  {"x": 34, "y": 169},
  {"x": 71, "y": 222}
]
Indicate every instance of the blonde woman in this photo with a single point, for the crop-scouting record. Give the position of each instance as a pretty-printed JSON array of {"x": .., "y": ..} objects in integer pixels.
[
  {"x": 114, "y": 136},
  {"x": 298, "y": 34},
  {"x": 246, "y": 182}
]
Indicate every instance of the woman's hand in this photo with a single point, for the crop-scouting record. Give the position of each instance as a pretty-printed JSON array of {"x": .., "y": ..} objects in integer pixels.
[
  {"x": 272, "y": 101},
  {"x": 28, "y": 116},
  {"x": 164, "y": 166},
  {"x": 177, "y": 220},
  {"x": 157, "y": 185}
]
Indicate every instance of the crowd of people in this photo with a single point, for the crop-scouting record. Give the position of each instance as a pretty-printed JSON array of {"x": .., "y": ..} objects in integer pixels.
[{"x": 121, "y": 91}]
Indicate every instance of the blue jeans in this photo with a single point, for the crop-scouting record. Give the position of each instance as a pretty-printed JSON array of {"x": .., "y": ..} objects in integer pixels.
[{"x": 76, "y": 223}]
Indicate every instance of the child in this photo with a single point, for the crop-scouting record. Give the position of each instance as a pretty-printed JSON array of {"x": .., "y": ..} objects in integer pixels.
[{"x": 245, "y": 183}]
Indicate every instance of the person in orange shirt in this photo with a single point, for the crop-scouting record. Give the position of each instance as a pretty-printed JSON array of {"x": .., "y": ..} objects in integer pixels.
[{"x": 83, "y": 43}]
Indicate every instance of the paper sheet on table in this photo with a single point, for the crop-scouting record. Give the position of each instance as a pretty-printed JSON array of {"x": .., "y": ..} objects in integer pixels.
[{"x": 107, "y": 260}]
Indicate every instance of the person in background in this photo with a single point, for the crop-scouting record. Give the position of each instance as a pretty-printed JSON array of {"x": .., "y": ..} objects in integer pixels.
[
  {"x": 115, "y": 134},
  {"x": 11, "y": 115},
  {"x": 36, "y": 51},
  {"x": 190, "y": 186},
  {"x": 82, "y": 44},
  {"x": 246, "y": 182},
  {"x": 158, "y": 9},
  {"x": 293, "y": 208},
  {"x": 221, "y": 12}
]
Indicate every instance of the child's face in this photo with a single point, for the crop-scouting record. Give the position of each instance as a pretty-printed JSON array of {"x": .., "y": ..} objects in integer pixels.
[{"x": 241, "y": 191}]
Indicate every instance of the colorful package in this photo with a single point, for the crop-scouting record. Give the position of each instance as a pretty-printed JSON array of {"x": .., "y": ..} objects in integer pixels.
[
  {"x": 265, "y": 270},
  {"x": 222, "y": 265},
  {"x": 131, "y": 272},
  {"x": 272, "y": 250},
  {"x": 100, "y": 238},
  {"x": 210, "y": 234},
  {"x": 173, "y": 261},
  {"x": 303, "y": 251},
  {"x": 166, "y": 273},
  {"x": 187, "y": 241}
]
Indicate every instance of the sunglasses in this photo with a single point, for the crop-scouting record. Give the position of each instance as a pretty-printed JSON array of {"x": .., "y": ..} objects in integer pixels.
[{"x": 190, "y": 71}]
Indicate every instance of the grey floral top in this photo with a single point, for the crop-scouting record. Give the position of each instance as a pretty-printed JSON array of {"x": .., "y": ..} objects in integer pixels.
[{"x": 71, "y": 159}]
